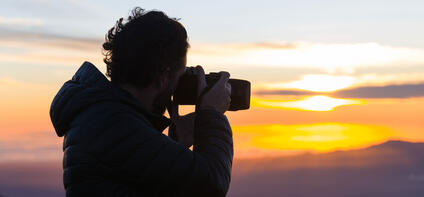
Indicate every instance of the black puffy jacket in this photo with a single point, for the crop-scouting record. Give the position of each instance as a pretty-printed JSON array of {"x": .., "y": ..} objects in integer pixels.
[{"x": 114, "y": 147}]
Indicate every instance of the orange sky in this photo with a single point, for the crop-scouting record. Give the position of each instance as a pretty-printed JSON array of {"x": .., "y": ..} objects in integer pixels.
[
  {"x": 275, "y": 125},
  {"x": 259, "y": 131}
]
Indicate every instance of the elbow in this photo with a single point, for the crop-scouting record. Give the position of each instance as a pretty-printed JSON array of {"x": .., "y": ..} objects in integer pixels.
[
  {"x": 219, "y": 186},
  {"x": 218, "y": 190}
]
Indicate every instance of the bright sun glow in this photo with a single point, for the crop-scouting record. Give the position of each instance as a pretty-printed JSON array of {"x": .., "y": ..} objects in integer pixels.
[
  {"x": 313, "y": 103},
  {"x": 318, "y": 83},
  {"x": 321, "y": 137}
]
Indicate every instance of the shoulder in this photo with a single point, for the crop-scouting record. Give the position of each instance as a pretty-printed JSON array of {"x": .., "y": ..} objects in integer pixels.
[
  {"x": 110, "y": 112},
  {"x": 106, "y": 120}
]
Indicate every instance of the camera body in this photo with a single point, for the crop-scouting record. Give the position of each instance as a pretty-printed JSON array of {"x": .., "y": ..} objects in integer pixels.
[{"x": 186, "y": 92}]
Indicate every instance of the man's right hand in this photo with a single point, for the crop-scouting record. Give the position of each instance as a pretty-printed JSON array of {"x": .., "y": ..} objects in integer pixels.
[{"x": 218, "y": 97}]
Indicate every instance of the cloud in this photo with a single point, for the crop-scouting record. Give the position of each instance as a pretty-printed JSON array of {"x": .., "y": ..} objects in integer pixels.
[
  {"x": 277, "y": 62},
  {"x": 285, "y": 92},
  {"x": 21, "y": 21},
  {"x": 32, "y": 145},
  {"x": 49, "y": 49},
  {"x": 388, "y": 91},
  {"x": 331, "y": 58},
  {"x": 268, "y": 45},
  {"x": 42, "y": 39},
  {"x": 279, "y": 56},
  {"x": 318, "y": 83}
]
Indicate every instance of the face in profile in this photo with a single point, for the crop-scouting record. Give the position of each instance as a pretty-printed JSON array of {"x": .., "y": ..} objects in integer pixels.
[{"x": 163, "y": 98}]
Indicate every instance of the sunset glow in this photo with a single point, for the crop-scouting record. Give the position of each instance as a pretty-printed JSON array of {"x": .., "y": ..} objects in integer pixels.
[
  {"x": 318, "y": 83},
  {"x": 331, "y": 58},
  {"x": 320, "y": 137},
  {"x": 299, "y": 66},
  {"x": 312, "y": 103}
]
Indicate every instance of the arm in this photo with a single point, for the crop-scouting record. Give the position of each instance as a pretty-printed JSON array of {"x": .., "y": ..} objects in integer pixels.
[
  {"x": 163, "y": 167},
  {"x": 213, "y": 141},
  {"x": 205, "y": 171}
]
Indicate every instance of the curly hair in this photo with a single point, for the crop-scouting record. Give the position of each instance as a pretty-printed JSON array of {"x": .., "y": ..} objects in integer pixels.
[{"x": 137, "y": 50}]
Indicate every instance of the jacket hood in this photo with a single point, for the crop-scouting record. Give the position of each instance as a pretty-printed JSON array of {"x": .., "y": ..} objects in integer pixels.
[{"x": 87, "y": 87}]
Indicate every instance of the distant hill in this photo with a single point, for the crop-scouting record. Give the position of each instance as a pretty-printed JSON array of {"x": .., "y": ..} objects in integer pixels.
[
  {"x": 23, "y": 178},
  {"x": 393, "y": 168}
]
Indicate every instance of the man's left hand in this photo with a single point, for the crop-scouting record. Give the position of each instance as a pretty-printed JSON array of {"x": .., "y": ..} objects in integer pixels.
[{"x": 182, "y": 129}]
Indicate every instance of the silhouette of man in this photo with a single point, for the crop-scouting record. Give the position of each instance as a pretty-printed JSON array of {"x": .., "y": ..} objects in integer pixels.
[{"x": 113, "y": 142}]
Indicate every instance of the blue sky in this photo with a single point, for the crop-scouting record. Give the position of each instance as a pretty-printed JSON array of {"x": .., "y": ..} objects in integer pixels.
[
  {"x": 42, "y": 38},
  {"x": 395, "y": 23}
]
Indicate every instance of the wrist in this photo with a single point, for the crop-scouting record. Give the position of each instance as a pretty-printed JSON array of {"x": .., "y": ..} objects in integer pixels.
[
  {"x": 205, "y": 108},
  {"x": 172, "y": 132}
]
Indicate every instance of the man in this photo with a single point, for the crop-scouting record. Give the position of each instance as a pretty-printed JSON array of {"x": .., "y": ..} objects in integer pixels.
[{"x": 113, "y": 142}]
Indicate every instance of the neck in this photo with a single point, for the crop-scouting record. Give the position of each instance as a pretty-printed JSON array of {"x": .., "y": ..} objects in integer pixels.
[{"x": 144, "y": 95}]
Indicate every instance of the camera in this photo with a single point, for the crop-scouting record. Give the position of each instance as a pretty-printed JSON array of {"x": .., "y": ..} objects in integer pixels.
[{"x": 186, "y": 91}]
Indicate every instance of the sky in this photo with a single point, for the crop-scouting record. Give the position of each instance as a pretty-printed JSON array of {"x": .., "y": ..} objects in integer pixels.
[{"x": 326, "y": 75}]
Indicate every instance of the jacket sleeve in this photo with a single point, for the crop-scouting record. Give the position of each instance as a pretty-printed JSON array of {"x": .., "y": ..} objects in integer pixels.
[{"x": 156, "y": 165}]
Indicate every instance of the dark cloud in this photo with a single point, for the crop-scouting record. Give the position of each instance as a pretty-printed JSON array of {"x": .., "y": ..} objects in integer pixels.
[
  {"x": 390, "y": 69},
  {"x": 389, "y": 91},
  {"x": 284, "y": 92}
]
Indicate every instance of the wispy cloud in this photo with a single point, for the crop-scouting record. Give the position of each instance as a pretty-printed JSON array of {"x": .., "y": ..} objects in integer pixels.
[
  {"x": 268, "y": 45},
  {"x": 20, "y": 38},
  {"x": 285, "y": 92},
  {"x": 50, "y": 49},
  {"x": 328, "y": 58},
  {"x": 20, "y": 21},
  {"x": 31, "y": 145},
  {"x": 276, "y": 63},
  {"x": 331, "y": 58},
  {"x": 388, "y": 91}
]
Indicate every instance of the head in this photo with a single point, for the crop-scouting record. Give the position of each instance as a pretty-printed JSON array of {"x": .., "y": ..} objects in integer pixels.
[{"x": 147, "y": 51}]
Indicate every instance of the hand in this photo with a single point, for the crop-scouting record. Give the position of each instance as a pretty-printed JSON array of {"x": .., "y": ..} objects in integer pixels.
[
  {"x": 218, "y": 97},
  {"x": 183, "y": 130}
]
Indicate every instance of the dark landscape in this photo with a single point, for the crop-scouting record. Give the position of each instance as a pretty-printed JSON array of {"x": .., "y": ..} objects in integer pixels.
[{"x": 394, "y": 168}]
